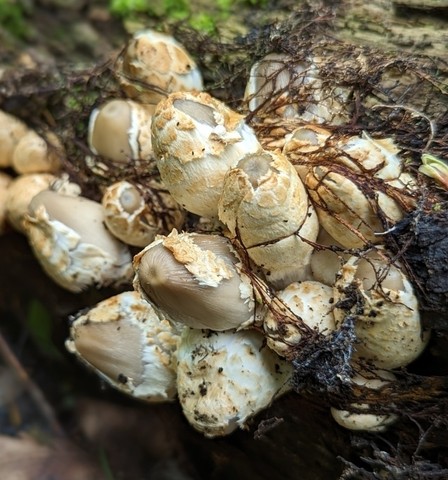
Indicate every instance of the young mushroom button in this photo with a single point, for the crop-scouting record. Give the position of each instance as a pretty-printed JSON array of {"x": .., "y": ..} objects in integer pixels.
[
  {"x": 388, "y": 328},
  {"x": 196, "y": 140},
  {"x": 135, "y": 221},
  {"x": 153, "y": 65},
  {"x": 68, "y": 237},
  {"x": 120, "y": 130},
  {"x": 224, "y": 378},
  {"x": 264, "y": 203}
]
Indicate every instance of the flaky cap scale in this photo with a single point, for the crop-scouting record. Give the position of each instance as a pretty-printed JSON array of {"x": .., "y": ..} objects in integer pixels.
[
  {"x": 153, "y": 65},
  {"x": 196, "y": 140},
  {"x": 72, "y": 244},
  {"x": 120, "y": 130},
  {"x": 265, "y": 204},
  {"x": 196, "y": 280},
  {"x": 128, "y": 345}
]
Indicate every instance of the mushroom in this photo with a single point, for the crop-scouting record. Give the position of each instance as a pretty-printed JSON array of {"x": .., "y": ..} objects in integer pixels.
[
  {"x": 20, "y": 193},
  {"x": 120, "y": 130},
  {"x": 293, "y": 89},
  {"x": 68, "y": 237},
  {"x": 196, "y": 280},
  {"x": 311, "y": 304},
  {"x": 124, "y": 341},
  {"x": 357, "y": 184},
  {"x": 196, "y": 140},
  {"x": 11, "y": 131},
  {"x": 35, "y": 154},
  {"x": 224, "y": 378},
  {"x": 265, "y": 204},
  {"x": 135, "y": 221},
  {"x": 346, "y": 212},
  {"x": 355, "y": 419},
  {"x": 5, "y": 182},
  {"x": 387, "y": 321},
  {"x": 153, "y": 65},
  {"x": 327, "y": 259}
]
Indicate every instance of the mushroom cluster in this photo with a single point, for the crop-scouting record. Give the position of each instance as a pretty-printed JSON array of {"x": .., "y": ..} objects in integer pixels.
[{"x": 284, "y": 239}]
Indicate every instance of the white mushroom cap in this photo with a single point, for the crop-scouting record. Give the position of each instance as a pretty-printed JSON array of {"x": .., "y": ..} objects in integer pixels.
[
  {"x": 344, "y": 210},
  {"x": 350, "y": 181},
  {"x": 388, "y": 328},
  {"x": 196, "y": 280},
  {"x": 153, "y": 65},
  {"x": 274, "y": 77},
  {"x": 34, "y": 154},
  {"x": 265, "y": 203},
  {"x": 312, "y": 303},
  {"x": 269, "y": 79},
  {"x": 129, "y": 346},
  {"x": 68, "y": 237},
  {"x": 378, "y": 155},
  {"x": 5, "y": 181},
  {"x": 224, "y": 378},
  {"x": 120, "y": 130},
  {"x": 11, "y": 131},
  {"x": 366, "y": 421},
  {"x": 136, "y": 222},
  {"x": 21, "y": 192},
  {"x": 196, "y": 140}
]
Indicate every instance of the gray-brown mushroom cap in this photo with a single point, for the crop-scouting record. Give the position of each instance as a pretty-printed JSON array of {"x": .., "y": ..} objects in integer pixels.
[{"x": 196, "y": 280}]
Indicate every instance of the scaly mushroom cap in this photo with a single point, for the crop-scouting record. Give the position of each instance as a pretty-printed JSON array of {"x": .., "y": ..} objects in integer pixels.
[
  {"x": 196, "y": 140},
  {"x": 129, "y": 346},
  {"x": 356, "y": 183},
  {"x": 345, "y": 212},
  {"x": 312, "y": 303},
  {"x": 224, "y": 378},
  {"x": 388, "y": 328},
  {"x": 35, "y": 154},
  {"x": 292, "y": 89},
  {"x": 366, "y": 421},
  {"x": 265, "y": 203},
  {"x": 136, "y": 222},
  {"x": 154, "y": 65},
  {"x": 196, "y": 280},
  {"x": 120, "y": 130},
  {"x": 68, "y": 237},
  {"x": 11, "y": 131}
]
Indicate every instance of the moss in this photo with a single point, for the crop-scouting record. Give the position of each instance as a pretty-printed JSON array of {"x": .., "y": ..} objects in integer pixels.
[
  {"x": 12, "y": 17},
  {"x": 202, "y": 15}
]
